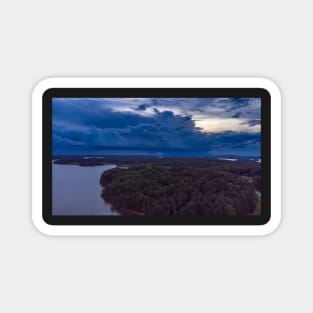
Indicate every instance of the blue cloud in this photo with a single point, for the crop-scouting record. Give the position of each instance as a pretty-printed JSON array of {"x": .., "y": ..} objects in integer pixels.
[
  {"x": 89, "y": 126},
  {"x": 236, "y": 115},
  {"x": 142, "y": 107},
  {"x": 252, "y": 122}
]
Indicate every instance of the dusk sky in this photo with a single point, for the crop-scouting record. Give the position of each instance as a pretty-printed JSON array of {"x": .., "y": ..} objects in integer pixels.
[{"x": 156, "y": 126}]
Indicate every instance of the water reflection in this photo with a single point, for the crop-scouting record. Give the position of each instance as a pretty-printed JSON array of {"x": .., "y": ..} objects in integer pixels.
[{"x": 76, "y": 190}]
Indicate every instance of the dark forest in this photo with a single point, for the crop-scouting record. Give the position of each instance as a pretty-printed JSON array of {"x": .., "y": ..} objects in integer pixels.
[{"x": 183, "y": 187}]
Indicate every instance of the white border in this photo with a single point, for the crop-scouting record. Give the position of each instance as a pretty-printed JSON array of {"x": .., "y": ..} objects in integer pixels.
[{"x": 166, "y": 230}]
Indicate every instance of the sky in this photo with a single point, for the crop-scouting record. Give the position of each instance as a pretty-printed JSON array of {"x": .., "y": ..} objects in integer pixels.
[{"x": 156, "y": 126}]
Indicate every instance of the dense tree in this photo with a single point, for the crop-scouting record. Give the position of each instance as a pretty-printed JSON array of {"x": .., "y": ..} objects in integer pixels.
[{"x": 155, "y": 190}]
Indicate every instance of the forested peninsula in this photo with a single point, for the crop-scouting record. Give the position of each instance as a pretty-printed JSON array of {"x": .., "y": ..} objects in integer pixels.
[{"x": 183, "y": 187}]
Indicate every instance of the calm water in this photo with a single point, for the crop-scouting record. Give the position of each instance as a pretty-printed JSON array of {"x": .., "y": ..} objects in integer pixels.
[{"x": 76, "y": 190}]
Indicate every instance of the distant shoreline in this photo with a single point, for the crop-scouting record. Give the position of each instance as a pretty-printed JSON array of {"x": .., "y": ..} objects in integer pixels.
[
  {"x": 230, "y": 156},
  {"x": 129, "y": 160}
]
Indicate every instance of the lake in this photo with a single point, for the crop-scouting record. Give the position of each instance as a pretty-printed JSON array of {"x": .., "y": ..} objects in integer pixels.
[{"x": 76, "y": 190}]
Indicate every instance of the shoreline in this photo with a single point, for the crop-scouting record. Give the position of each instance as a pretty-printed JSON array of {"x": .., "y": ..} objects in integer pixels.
[{"x": 164, "y": 164}]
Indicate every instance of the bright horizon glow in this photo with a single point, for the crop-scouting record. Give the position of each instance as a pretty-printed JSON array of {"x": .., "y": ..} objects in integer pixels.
[{"x": 215, "y": 125}]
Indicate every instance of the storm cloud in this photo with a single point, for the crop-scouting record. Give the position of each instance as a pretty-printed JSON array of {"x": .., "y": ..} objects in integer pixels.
[{"x": 156, "y": 126}]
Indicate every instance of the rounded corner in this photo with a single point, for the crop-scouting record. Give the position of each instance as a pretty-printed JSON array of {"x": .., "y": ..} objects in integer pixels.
[
  {"x": 270, "y": 86},
  {"x": 41, "y": 225},
  {"x": 271, "y": 226},
  {"x": 43, "y": 85}
]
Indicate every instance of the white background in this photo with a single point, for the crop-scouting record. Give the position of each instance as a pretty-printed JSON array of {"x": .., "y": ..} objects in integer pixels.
[{"x": 41, "y": 39}]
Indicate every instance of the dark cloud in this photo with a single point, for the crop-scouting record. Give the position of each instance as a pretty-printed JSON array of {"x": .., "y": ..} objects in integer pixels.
[
  {"x": 218, "y": 107},
  {"x": 142, "y": 107},
  {"x": 91, "y": 114},
  {"x": 233, "y": 104},
  {"x": 89, "y": 126}
]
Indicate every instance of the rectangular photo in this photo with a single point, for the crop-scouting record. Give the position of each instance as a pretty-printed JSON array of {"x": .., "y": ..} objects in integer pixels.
[{"x": 156, "y": 157}]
